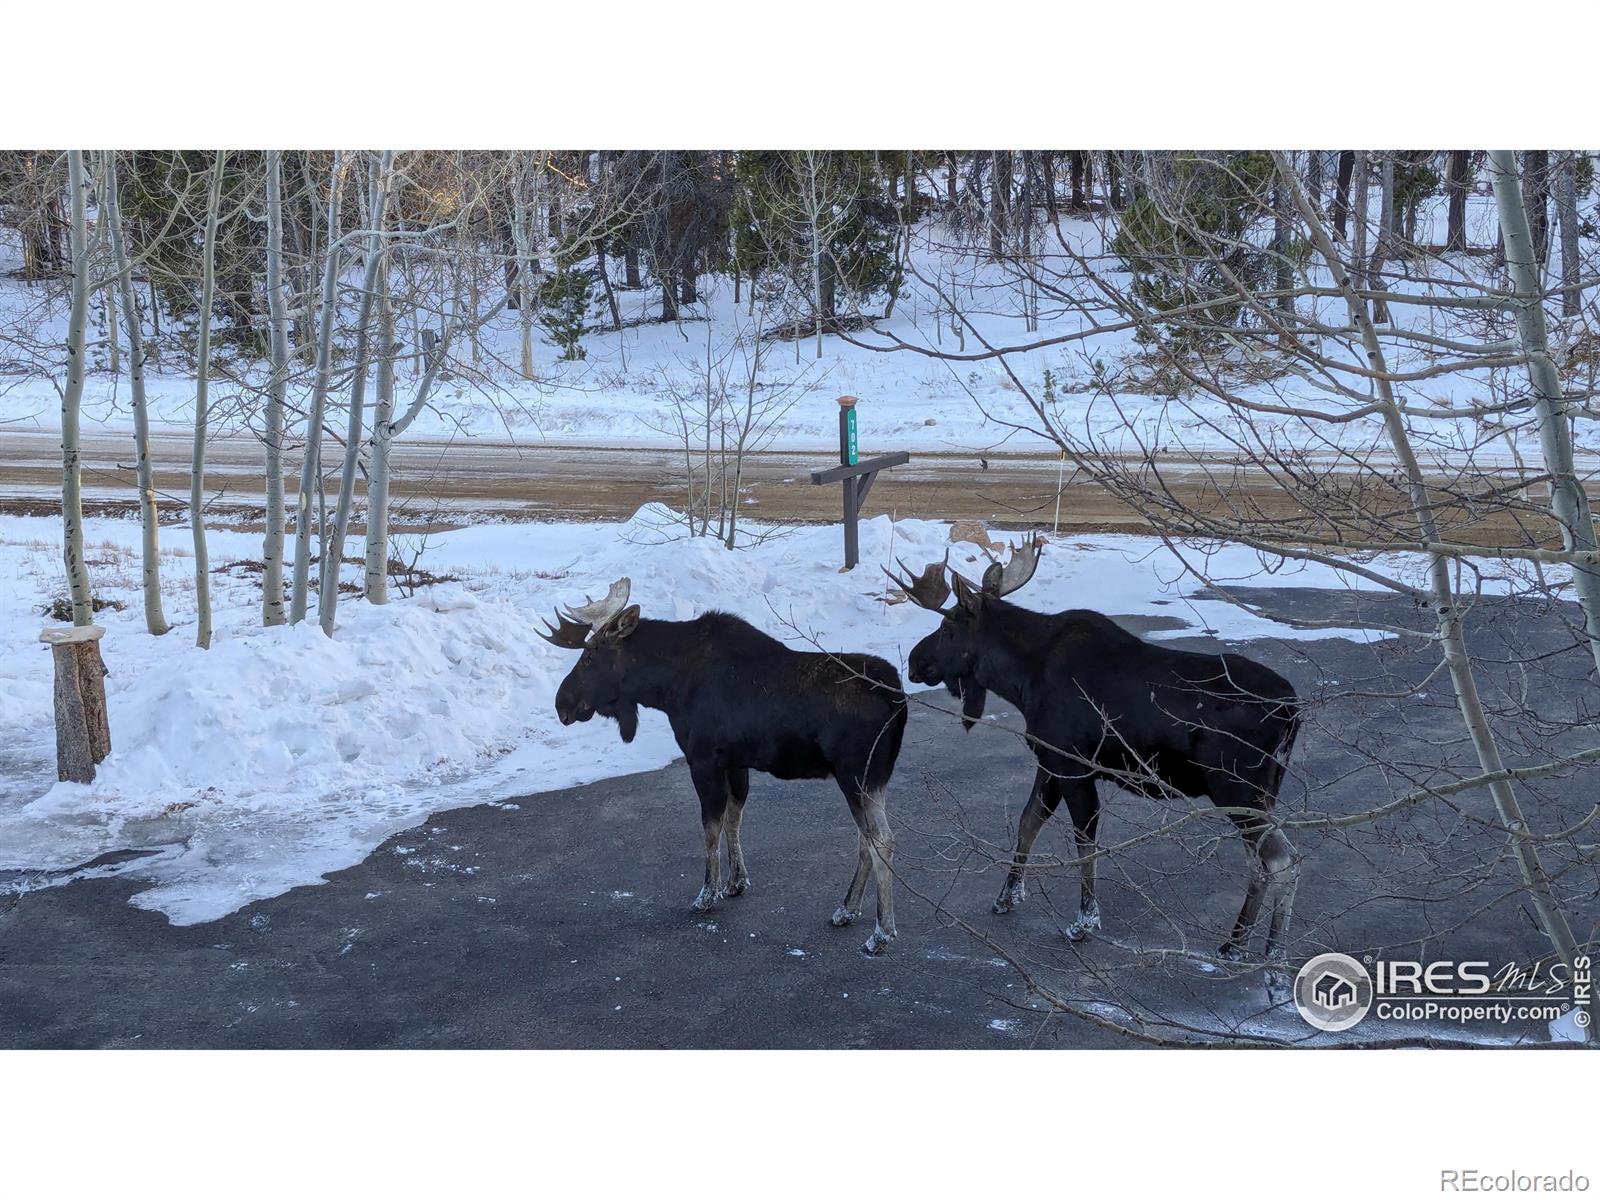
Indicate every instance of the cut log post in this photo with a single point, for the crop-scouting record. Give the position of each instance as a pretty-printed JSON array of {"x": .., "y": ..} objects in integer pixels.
[{"x": 83, "y": 734}]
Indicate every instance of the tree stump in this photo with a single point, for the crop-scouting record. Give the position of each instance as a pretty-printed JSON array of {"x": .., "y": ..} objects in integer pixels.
[{"x": 83, "y": 734}]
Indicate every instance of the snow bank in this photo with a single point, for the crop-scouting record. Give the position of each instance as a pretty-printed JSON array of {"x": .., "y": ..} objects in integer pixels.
[{"x": 280, "y": 755}]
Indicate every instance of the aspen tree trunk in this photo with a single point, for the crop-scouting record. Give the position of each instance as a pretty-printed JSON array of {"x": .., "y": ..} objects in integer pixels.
[
  {"x": 1341, "y": 193},
  {"x": 1384, "y": 244},
  {"x": 999, "y": 199},
  {"x": 272, "y": 543},
  {"x": 1569, "y": 503},
  {"x": 1566, "y": 178},
  {"x": 376, "y": 263},
  {"x": 1283, "y": 276},
  {"x": 1536, "y": 197},
  {"x": 603, "y": 269},
  {"x": 375, "y": 567},
  {"x": 522, "y": 225},
  {"x": 1361, "y": 175},
  {"x": 385, "y": 431},
  {"x": 310, "y": 464},
  {"x": 752, "y": 380},
  {"x": 108, "y": 301},
  {"x": 202, "y": 398},
  {"x": 1458, "y": 181},
  {"x": 1451, "y": 634},
  {"x": 155, "y": 620},
  {"x": 306, "y": 324},
  {"x": 72, "y": 398},
  {"x": 813, "y": 206},
  {"x": 108, "y": 293}
]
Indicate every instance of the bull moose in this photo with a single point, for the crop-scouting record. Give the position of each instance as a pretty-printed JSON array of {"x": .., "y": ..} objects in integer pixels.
[
  {"x": 741, "y": 701},
  {"x": 1100, "y": 703}
]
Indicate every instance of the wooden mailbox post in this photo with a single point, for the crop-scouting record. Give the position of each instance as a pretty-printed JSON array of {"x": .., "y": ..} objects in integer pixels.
[
  {"x": 855, "y": 475},
  {"x": 83, "y": 735}
]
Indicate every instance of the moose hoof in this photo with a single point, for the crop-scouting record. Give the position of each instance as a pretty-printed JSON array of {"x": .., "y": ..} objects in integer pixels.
[
  {"x": 878, "y": 943},
  {"x": 739, "y": 886},
  {"x": 1278, "y": 988},
  {"x": 842, "y": 916},
  {"x": 1088, "y": 921},
  {"x": 707, "y": 899},
  {"x": 1230, "y": 952},
  {"x": 1010, "y": 896}
]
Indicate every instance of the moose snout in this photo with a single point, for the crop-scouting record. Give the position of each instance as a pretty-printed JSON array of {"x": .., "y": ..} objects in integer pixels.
[
  {"x": 570, "y": 707},
  {"x": 920, "y": 670},
  {"x": 573, "y": 712}
]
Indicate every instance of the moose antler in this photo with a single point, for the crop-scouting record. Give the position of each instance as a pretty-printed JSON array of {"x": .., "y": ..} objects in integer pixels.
[
  {"x": 569, "y": 635},
  {"x": 930, "y": 589},
  {"x": 595, "y": 613},
  {"x": 1019, "y": 568}
]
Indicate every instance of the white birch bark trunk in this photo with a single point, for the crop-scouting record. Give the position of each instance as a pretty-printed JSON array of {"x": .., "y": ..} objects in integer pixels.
[
  {"x": 272, "y": 542},
  {"x": 72, "y": 399},
  {"x": 1452, "y": 637},
  {"x": 376, "y": 263},
  {"x": 202, "y": 402},
  {"x": 1569, "y": 503},
  {"x": 155, "y": 620},
  {"x": 310, "y": 464}
]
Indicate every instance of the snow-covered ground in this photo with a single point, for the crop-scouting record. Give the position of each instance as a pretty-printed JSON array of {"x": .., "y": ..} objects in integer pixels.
[
  {"x": 279, "y": 755},
  {"x": 621, "y": 393}
]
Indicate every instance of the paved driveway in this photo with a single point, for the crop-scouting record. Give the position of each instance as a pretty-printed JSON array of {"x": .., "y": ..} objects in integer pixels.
[{"x": 562, "y": 920}]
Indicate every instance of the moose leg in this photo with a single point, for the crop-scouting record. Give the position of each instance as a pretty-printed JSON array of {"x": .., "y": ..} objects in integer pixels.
[
  {"x": 1282, "y": 877},
  {"x": 1083, "y": 805},
  {"x": 1253, "y": 830},
  {"x": 851, "y": 908},
  {"x": 711, "y": 782},
  {"x": 880, "y": 841},
  {"x": 1041, "y": 804},
  {"x": 738, "y": 793}
]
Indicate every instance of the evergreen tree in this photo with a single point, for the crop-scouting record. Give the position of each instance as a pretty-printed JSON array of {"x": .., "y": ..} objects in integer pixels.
[
  {"x": 799, "y": 213},
  {"x": 1181, "y": 242}
]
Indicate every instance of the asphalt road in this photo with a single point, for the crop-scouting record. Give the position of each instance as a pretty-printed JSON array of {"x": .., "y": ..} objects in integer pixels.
[{"x": 564, "y": 920}]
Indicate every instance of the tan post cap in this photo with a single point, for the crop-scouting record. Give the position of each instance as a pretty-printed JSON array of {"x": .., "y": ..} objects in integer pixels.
[
  {"x": 847, "y": 401},
  {"x": 63, "y": 635}
]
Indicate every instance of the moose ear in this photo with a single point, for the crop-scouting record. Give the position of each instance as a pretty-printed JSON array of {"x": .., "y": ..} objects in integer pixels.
[
  {"x": 625, "y": 622},
  {"x": 967, "y": 596}
]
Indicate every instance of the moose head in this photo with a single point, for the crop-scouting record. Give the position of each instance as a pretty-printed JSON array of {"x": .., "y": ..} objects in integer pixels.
[
  {"x": 599, "y": 628},
  {"x": 948, "y": 655}
]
